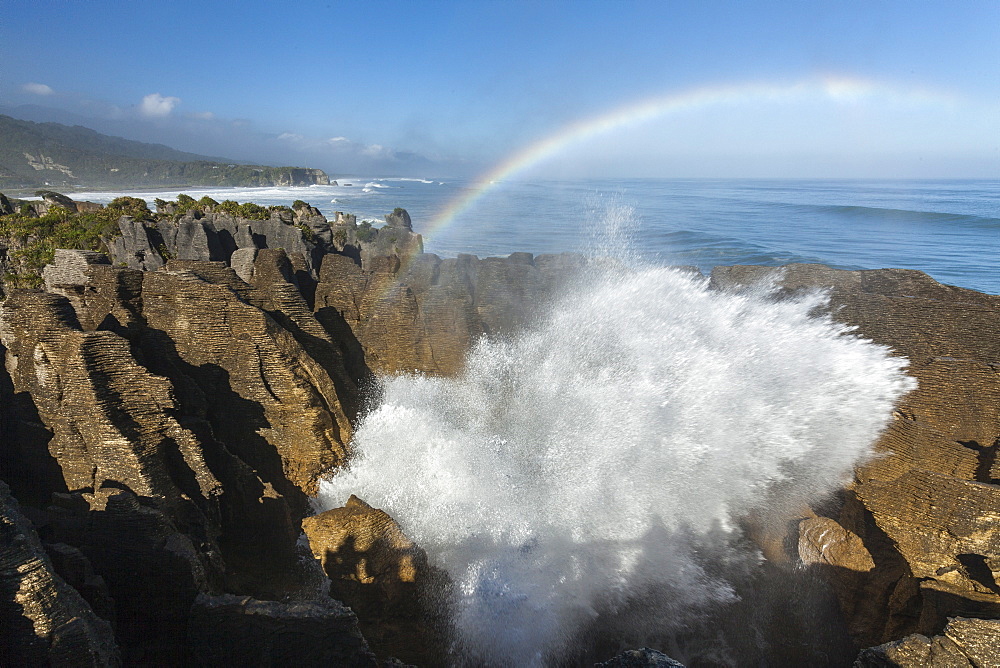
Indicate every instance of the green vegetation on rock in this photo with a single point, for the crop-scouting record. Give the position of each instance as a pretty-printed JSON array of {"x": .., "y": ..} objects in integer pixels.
[
  {"x": 247, "y": 210},
  {"x": 28, "y": 241},
  {"x": 32, "y": 240},
  {"x": 365, "y": 231}
]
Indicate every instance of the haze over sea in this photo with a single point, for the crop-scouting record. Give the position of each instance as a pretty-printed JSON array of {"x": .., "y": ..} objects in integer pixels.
[{"x": 947, "y": 228}]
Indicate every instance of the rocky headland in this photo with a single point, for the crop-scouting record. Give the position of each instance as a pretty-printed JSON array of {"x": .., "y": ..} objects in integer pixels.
[
  {"x": 176, "y": 384},
  {"x": 38, "y": 155}
]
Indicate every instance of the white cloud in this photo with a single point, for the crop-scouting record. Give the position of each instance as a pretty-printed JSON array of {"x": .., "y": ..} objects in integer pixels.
[
  {"x": 37, "y": 89},
  {"x": 376, "y": 151},
  {"x": 203, "y": 115},
  {"x": 290, "y": 136},
  {"x": 333, "y": 140},
  {"x": 155, "y": 105}
]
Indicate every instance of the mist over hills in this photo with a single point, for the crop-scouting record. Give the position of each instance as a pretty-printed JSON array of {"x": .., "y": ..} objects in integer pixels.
[
  {"x": 56, "y": 155},
  {"x": 241, "y": 141}
]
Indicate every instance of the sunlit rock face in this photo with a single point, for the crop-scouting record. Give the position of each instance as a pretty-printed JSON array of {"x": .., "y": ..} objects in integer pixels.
[
  {"x": 383, "y": 576},
  {"x": 965, "y": 642}
]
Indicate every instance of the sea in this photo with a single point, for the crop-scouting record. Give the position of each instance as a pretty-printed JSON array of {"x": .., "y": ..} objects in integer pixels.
[{"x": 949, "y": 229}]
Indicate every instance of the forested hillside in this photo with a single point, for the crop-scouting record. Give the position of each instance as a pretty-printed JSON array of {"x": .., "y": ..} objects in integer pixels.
[{"x": 54, "y": 155}]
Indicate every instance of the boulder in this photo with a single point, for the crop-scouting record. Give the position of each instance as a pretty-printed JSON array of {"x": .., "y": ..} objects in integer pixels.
[
  {"x": 399, "y": 218},
  {"x": 823, "y": 541},
  {"x": 640, "y": 658},
  {"x": 380, "y": 573},
  {"x": 57, "y": 199}
]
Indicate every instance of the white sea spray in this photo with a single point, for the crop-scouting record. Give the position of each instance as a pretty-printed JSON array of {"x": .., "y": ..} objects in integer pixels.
[{"x": 580, "y": 464}]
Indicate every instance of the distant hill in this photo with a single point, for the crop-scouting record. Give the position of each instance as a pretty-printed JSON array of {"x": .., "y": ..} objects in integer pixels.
[{"x": 34, "y": 155}]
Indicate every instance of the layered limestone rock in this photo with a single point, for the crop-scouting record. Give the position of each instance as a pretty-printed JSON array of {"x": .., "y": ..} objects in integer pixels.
[
  {"x": 377, "y": 570},
  {"x": 263, "y": 393},
  {"x": 164, "y": 430},
  {"x": 154, "y": 560},
  {"x": 147, "y": 245},
  {"x": 69, "y": 270},
  {"x": 304, "y": 234},
  {"x": 424, "y": 314},
  {"x": 926, "y": 508},
  {"x": 971, "y": 643},
  {"x": 366, "y": 244},
  {"x": 43, "y": 620},
  {"x": 87, "y": 387},
  {"x": 177, "y": 420}
]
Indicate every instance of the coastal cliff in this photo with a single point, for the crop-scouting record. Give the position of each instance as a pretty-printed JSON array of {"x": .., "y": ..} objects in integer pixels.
[{"x": 173, "y": 393}]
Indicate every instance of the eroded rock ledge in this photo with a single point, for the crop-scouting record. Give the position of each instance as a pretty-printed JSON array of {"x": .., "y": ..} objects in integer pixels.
[
  {"x": 163, "y": 431},
  {"x": 925, "y": 513}
]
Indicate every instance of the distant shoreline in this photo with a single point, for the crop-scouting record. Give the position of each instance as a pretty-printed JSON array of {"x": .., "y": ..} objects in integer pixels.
[{"x": 29, "y": 193}]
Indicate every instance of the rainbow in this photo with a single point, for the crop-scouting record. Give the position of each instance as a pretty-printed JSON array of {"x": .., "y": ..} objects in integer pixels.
[{"x": 843, "y": 90}]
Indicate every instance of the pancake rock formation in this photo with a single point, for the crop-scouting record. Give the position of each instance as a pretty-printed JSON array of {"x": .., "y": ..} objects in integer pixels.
[{"x": 168, "y": 408}]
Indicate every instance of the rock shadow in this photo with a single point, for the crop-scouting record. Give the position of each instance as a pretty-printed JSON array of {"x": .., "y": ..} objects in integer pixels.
[
  {"x": 402, "y": 619},
  {"x": 25, "y": 461},
  {"x": 258, "y": 508},
  {"x": 351, "y": 351}
]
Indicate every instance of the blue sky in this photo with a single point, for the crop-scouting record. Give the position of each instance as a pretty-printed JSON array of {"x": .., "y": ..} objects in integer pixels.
[{"x": 814, "y": 89}]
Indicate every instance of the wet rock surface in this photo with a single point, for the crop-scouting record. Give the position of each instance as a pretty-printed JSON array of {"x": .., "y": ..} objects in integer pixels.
[{"x": 640, "y": 658}]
